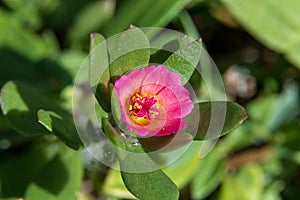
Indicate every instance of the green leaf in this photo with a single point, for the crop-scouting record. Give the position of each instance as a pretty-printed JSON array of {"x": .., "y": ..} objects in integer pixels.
[
  {"x": 154, "y": 14},
  {"x": 173, "y": 141},
  {"x": 24, "y": 39},
  {"x": 90, "y": 18},
  {"x": 140, "y": 174},
  {"x": 15, "y": 181},
  {"x": 61, "y": 125},
  {"x": 60, "y": 179},
  {"x": 31, "y": 12},
  {"x": 209, "y": 175},
  {"x": 189, "y": 161},
  {"x": 150, "y": 185},
  {"x": 188, "y": 25},
  {"x": 185, "y": 59},
  {"x": 247, "y": 184},
  {"x": 114, "y": 186},
  {"x": 44, "y": 73},
  {"x": 70, "y": 61},
  {"x": 218, "y": 118},
  {"x": 280, "y": 27},
  {"x": 273, "y": 192},
  {"x": 99, "y": 73},
  {"x": 113, "y": 135},
  {"x": 161, "y": 55},
  {"x": 20, "y": 103},
  {"x": 274, "y": 110},
  {"x": 127, "y": 51}
]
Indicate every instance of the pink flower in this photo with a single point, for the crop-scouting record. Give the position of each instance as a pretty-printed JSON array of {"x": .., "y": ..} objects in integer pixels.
[{"x": 153, "y": 102}]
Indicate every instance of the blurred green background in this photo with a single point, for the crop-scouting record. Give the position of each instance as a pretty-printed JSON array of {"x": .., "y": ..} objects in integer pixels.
[{"x": 255, "y": 44}]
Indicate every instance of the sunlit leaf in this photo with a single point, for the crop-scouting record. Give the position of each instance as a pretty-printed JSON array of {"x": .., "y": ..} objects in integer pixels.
[
  {"x": 247, "y": 184},
  {"x": 99, "y": 74},
  {"x": 127, "y": 51},
  {"x": 185, "y": 59},
  {"x": 61, "y": 125},
  {"x": 150, "y": 185},
  {"x": 280, "y": 27},
  {"x": 20, "y": 103}
]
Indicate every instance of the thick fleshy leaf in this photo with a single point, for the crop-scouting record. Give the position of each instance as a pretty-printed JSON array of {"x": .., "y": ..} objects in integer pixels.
[
  {"x": 185, "y": 59},
  {"x": 98, "y": 58},
  {"x": 154, "y": 184},
  {"x": 61, "y": 125},
  {"x": 146, "y": 185},
  {"x": 161, "y": 55},
  {"x": 173, "y": 141},
  {"x": 114, "y": 186},
  {"x": 127, "y": 51},
  {"x": 150, "y": 185},
  {"x": 157, "y": 16},
  {"x": 99, "y": 73},
  {"x": 60, "y": 179},
  {"x": 20, "y": 103},
  {"x": 181, "y": 55},
  {"x": 278, "y": 30},
  {"x": 218, "y": 118},
  {"x": 113, "y": 135}
]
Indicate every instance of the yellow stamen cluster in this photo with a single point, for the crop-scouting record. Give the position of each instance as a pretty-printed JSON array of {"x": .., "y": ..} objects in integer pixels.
[{"x": 135, "y": 108}]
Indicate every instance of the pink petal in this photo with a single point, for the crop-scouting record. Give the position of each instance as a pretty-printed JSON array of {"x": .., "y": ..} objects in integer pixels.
[
  {"x": 183, "y": 96},
  {"x": 169, "y": 102},
  {"x": 173, "y": 99},
  {"x": 162, "y": 76},
  {"x": 171, "y": 126}
]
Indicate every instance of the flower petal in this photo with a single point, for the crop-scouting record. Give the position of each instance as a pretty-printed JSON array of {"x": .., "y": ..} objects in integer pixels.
[
  {"x": 161, "y": 85},
  {"x": 171, "y": 126},
  {"x": 184, "y": 99},
  {"x": 162, "y": 76}
]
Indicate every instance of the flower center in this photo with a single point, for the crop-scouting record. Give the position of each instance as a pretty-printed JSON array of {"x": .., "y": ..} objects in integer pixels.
[{"x": 143, "y": 108}]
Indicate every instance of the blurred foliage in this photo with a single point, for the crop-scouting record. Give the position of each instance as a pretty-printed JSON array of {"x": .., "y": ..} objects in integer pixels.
[{"x": 255, "y": 44}]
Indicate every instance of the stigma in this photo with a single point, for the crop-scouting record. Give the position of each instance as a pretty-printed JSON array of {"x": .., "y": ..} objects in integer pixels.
[{"x": 143, "y": 108}]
